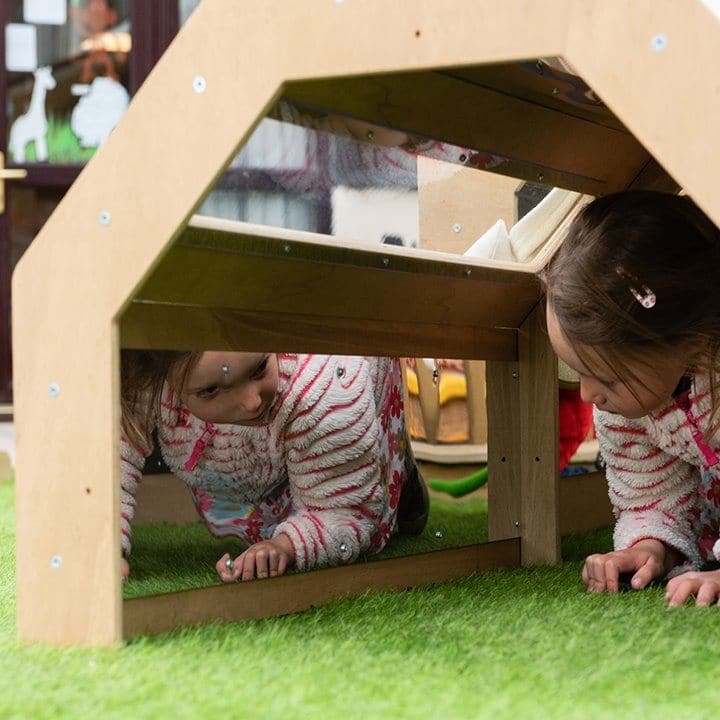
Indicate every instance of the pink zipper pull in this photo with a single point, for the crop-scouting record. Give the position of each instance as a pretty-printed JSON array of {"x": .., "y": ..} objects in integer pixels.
[{"x": 202, "y": 442}]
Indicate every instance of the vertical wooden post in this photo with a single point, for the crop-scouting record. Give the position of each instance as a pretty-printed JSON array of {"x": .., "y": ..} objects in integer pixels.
[
  {"x": 504, "y": 467},
  {"x": 539, "y": 461}
]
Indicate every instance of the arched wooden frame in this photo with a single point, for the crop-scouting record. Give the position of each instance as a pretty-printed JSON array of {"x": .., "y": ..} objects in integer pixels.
[{"x": 87, "y": 283}]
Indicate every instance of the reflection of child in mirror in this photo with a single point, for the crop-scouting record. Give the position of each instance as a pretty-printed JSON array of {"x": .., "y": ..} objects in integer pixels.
[
  {"x": 304, "y": 457},
  {"x": 632, "y": 308}
]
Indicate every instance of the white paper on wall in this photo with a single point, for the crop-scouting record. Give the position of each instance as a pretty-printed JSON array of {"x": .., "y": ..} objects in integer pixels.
[
  {"x": 45, "y": 12},
  {"x": 20, "y": 47}
]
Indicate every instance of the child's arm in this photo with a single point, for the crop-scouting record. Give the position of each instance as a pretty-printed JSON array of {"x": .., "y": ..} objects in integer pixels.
[
  {"x": 132, "y": 460},
  {"x": 332, "y": 446},
  {"x": 652, "y": 493}
]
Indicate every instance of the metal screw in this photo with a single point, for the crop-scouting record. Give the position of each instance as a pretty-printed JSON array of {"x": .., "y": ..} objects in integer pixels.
[
  {"x": 286, "y": 248},
  {"x": 457, "y": 227},
  {"x": 515, "y": 375},
  {"x": 659, "y": 42},
  {"x": 55, "y": 562},
  {"x": 541, "y": 177},
  {"x": 340, "y": 372},
  {"x": 555, "y": 91},
  {"x": 517, "y": 523},
  {"x": 370, "y": 135},
  {"x": 463, "y": 157},
  {"x": 105, "y": 217},
  {"x": 386, "y": 261},
  {"x": 53, "y": 390},
  {"x": 199, "y": 84},
  {"x": 468, "y": 272},
  {"x": 438, "y": 534}
]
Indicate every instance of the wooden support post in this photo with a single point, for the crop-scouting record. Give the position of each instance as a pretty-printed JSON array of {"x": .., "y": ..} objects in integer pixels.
[
  {"x": 539, "y": 452},
  {"x": 504, "y": 467}
]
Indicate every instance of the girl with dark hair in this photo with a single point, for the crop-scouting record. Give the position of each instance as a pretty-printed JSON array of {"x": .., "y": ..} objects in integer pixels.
[{"x": 633, "y": 307}]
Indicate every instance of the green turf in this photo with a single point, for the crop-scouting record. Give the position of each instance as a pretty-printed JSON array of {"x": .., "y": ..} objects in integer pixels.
[
  {"x": 166, "y": 558},
  {"x": 516, "y": 644}
]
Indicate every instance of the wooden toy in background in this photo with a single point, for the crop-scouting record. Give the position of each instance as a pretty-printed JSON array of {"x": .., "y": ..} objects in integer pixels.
[{"x": 121, "y": 259}]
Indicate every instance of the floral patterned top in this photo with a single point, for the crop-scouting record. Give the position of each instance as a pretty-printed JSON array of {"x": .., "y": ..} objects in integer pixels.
[{"x": 326, "y": 469}]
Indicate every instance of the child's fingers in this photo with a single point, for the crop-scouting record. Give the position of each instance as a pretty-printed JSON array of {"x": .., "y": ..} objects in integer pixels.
[
  {"x": 707, "y": 593},
  {"x": 248, "y": 566},
  {"x": 595, "y": 573},
  {"x": 262, "y": 562},
  {"x": 680, "y": 592},
  {"x": 227, "y": 568}
]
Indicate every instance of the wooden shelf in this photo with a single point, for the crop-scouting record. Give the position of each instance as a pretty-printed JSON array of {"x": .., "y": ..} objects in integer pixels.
[
  {"x": 246, "y": 286},
  {"x": 565, "y": 139}
]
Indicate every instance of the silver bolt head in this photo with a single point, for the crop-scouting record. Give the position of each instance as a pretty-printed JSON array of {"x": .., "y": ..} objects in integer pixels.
[
  {"x": 53, "y": 390},
  {"x": 659, "y": 42},
  {"x": 515, "y": 375},
  {"x": 105, "y": 218},
  {"x": 55, "y": 562},
  {"x": 199, "y": 84},
  {"x": 386, "y": 261},
  {"x": 457, "y": 227},
  {"x": 517, "y": 523}
]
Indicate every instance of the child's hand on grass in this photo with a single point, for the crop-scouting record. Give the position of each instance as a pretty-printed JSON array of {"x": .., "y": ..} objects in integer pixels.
[
  {"x": 268, "y": 558},
  {"x": 703, "y": 586},
  {"x": 646, "y": 560}
]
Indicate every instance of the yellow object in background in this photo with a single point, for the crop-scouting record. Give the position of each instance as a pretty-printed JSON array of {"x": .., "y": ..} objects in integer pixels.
[{"x": 452, "y": 385}]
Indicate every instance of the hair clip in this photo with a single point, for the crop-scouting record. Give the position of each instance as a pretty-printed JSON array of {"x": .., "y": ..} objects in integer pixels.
[{"x": 647, "y": 298}]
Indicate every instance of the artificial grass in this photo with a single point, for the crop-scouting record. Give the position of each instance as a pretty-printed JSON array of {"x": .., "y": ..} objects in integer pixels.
[
  {"x": 168, "y": 558},
  {"x": 521, "y": 643}
]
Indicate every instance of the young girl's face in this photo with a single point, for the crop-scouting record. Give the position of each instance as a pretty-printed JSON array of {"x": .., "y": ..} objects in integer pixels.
[
  {"x": 238, "y": 388},
  {"x": 649, "y": 391}
]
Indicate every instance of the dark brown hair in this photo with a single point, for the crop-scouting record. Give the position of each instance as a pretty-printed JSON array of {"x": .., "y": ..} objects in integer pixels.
[
  {"x": 661, "y": 242},
  {"x": 142, "y": 375}
]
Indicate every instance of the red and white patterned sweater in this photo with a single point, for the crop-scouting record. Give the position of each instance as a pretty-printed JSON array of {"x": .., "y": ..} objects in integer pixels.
[
  {"x": 654, "y": 468},
  {"x": 323, "y": 469}
]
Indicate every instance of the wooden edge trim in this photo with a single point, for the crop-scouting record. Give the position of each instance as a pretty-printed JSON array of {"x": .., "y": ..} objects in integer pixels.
[{"x": 293, "y": 593}]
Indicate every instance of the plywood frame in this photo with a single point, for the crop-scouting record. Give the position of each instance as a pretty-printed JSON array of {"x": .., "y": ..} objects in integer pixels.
[{"x": 120, "y": 218}]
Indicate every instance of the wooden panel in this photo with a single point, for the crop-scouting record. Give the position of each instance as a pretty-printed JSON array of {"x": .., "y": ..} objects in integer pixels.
[
  {"x": 540, "y": 472},
  {"x": 237, "y": 265},
  {"x": 457, "y": 205},
  {"x": 542, "y": 84},
  {"x": 584, "y": 503},
  {"x": 164, "y": 498},
  {"x": 654, "y": 177},
  {"x": 659, "y": 45},
  {"x": 556, "y": 148},
  {"x": 181, "y": 327},
  {"x": 292, "y": 593},
  {"x": 504, "y": 453}
]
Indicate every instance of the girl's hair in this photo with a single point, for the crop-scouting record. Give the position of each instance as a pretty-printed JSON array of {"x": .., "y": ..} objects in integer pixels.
[
  {"x": 142, "y": 376},
  {"x": 642, "y": 241}
]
